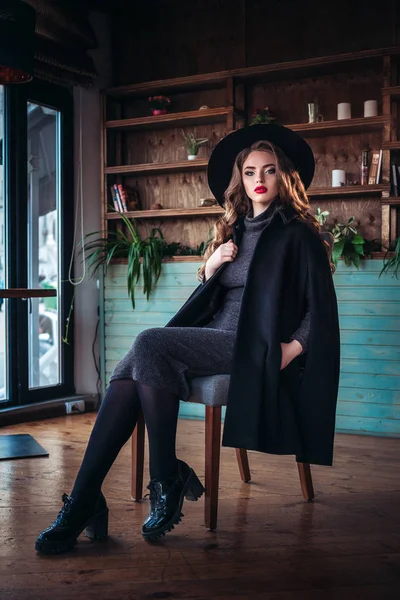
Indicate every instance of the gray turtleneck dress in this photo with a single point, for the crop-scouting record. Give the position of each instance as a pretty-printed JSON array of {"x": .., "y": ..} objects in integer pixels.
[{"x": 166, "y": 357}]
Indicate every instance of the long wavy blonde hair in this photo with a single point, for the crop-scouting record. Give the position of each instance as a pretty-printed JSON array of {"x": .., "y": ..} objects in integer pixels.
[{"x": 291, "y": 191}]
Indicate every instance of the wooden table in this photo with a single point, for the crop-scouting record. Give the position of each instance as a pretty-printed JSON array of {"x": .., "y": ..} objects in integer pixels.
[{"x": 27, "y": 293}]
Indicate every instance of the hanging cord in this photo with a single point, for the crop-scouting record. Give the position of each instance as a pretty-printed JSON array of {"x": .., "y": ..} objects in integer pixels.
[
  {"x": 79, "y": 205},
  {"x": 79, "y": 196},
  {"x": 76, "y": 282}
]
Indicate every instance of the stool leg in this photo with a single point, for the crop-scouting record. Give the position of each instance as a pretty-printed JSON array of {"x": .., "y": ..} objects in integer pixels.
[
  {"x": 138, "y": 458},
  {"x": 306, "y": 480},
  {"x": 213, "y": 447},
  {"x": 243, "y": 462}
]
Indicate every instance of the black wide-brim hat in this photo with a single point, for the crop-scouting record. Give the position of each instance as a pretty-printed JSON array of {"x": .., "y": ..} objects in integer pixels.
[{"x": 223, "y": 156}]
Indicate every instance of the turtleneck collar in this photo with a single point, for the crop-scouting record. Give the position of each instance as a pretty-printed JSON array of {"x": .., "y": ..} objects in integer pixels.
[{"x": 257, "y": 222}]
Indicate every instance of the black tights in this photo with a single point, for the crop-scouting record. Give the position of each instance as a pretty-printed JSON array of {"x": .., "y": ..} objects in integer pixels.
[{"x": 114, "y": 425}]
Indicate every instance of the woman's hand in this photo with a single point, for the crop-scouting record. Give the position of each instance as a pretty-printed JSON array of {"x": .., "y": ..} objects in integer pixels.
[
  {"x": 289, "y": 352},
  {"x": 224, "y": 253}
]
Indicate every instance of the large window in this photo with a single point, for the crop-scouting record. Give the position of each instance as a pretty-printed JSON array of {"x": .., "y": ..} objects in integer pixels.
[
  {"x": 36, "y": 216},
  {"x": 43, "y": 243}
]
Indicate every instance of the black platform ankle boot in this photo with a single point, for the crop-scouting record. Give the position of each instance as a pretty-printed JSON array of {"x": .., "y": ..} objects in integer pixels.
[
  {"x": 166, "y": 499},
  {"x": 72, "y": 519}
]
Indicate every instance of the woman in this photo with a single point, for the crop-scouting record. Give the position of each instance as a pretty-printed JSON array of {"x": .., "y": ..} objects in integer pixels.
[{"x": 265, "y": 312}]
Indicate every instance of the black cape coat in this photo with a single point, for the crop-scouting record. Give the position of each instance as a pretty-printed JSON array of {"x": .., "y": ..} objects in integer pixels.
[{"x": 289, "y": 411}]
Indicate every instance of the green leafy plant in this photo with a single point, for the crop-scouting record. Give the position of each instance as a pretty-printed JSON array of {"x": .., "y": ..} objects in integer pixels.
[
  {"x": 147, "y": 253},
  {"x": 192, "y": 144},
  {"x": 392, "y": 263},
  {"x": 321, "y": 216},
  {"x": 178, "y": 249},
  {"x": 348, "y": 244},
  {"x": 144, "y": 255},
  {"x": 262, "y": 115}
]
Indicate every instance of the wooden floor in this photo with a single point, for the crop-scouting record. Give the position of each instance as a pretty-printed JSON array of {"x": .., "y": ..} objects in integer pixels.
[{"x": 270, "y": 543}]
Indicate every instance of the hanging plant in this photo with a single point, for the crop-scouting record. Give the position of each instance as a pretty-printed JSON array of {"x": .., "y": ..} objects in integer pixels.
[{"x": 392, "y": 263}]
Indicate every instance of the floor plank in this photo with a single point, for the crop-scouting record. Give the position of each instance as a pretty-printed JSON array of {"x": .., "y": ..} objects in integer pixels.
[{"x": 270, "y": 543}]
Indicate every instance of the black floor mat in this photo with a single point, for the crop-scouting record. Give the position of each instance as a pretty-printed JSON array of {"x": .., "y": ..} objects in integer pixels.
[{"x": 20, "y": 445}]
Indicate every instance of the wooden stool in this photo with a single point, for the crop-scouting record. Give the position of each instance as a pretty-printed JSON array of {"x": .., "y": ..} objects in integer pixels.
[{"x": 211, "y": 391}]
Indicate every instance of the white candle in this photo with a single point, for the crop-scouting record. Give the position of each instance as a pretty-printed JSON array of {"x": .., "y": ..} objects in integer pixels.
[
  {"x": 338, "y": 177},
  {"x": 370, "y": 108},
  {"x": 344, "y": 110}
]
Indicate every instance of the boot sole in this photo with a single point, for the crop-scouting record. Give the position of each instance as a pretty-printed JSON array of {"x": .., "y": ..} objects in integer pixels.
[
  {"x": 55, "y": 548},
  {"x": 193, "y": 490},
  {"x": 96, "y": 529}
]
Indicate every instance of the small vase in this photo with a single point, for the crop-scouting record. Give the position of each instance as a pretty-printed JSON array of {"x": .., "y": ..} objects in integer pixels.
[
  {"x": 192, "y": 156},
  {"x": 159, "y": 111}
]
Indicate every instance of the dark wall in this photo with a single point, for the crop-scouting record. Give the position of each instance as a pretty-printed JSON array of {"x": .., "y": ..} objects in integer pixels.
[{"x": 187, "y": 37}]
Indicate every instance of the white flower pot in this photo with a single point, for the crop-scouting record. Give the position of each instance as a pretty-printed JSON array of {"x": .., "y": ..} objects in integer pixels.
[{"x": 192, "y": 156}]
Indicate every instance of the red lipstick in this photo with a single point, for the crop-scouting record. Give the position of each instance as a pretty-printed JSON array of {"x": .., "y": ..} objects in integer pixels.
[{"x": 261, "y": 189}]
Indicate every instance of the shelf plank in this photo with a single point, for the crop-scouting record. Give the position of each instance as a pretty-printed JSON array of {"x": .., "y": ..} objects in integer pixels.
[
  {"x": 391, "y": 200},
  {"x": 217, "y": 210},
  {"x": 213, "y": 115},
  {"x": 194, "y": 117},
  {"x": 169, "y": 212},
  {"x": 393, "y": 91},
  {"x": 347, "y": 190},
  {"x": 391, "y": 145},
  {"x": 341, "y": 126},
  {"x": 210, "y": 80},
  {"x": 196, "y": 258},
  {"x": 184, "y": 165}
]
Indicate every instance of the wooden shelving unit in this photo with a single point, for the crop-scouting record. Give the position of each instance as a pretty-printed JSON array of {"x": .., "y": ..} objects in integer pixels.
[
  {"x": 221, "y": 78},
  {"x": 231, "y": 115}
]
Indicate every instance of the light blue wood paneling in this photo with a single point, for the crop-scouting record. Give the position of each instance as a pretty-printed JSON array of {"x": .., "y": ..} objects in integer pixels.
[{"x": 369, "y": 309}]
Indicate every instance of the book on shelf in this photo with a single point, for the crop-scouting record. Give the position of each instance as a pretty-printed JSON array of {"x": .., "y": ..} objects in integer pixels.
[
  {"x": 122, "y": 196},
  {"x": 395, "y": 180},
  {"x": 374, "y": 170},
  {"x": 119, "y": 198},
  {"x": 378, "y": 175},
  {"x": 114, "y": 197},
  {"x": 364, "y": 167}
]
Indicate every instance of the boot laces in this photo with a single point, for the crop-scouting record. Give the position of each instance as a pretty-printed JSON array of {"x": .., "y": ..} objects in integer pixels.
[
  {"x": 66, "y": 509},
  {"x": 155, "y": 492}
]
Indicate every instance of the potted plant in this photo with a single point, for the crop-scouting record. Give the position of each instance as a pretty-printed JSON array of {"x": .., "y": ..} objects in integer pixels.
[
  {"x": 262, "y": 115},
  {"x": 146, "y": 254},
  {"x": 192, "y": 144},
  {"x": 348, "y": 244},
  {"x": 159, "y": 104}
]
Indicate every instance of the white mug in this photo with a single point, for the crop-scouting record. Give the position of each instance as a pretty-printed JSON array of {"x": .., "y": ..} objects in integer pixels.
[
  {"x": 344, "y": 110},
  {"x": 338, "y": 177},
  {"x": 371, "y": 108}
]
